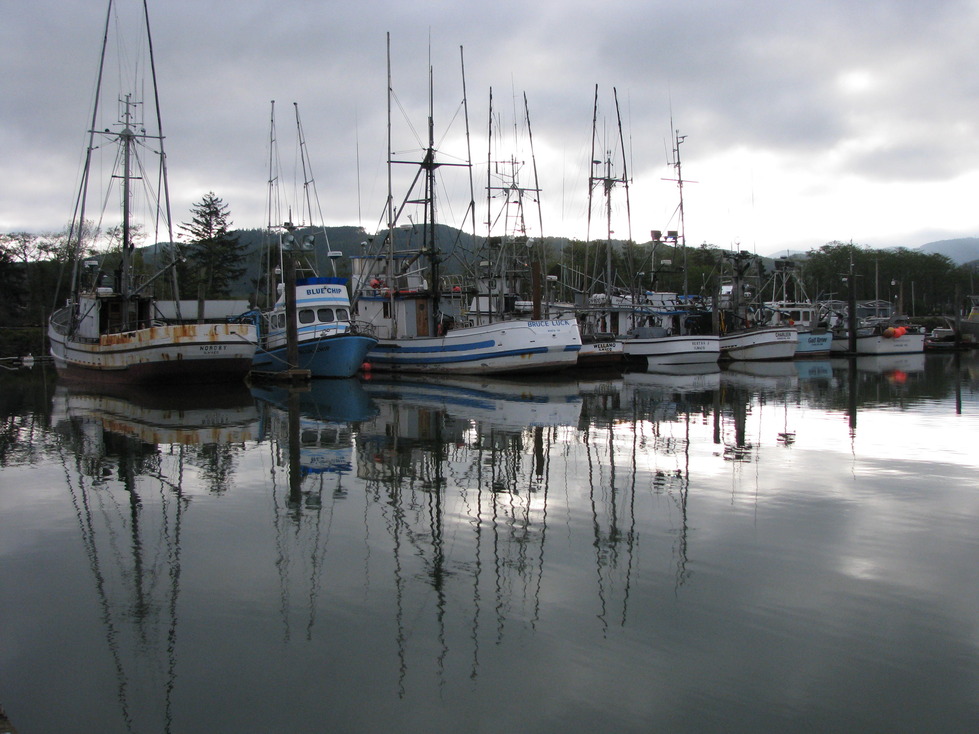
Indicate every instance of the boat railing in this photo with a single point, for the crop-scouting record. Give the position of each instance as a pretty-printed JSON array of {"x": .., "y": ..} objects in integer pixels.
[{"x": 363, "y": 328}]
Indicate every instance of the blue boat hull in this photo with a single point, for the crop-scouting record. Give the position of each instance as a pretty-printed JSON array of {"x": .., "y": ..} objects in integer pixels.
[{"x": 338, "y": 356}]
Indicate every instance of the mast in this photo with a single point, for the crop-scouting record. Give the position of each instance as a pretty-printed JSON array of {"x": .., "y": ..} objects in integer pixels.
[
  {"x": 126, "y": 138},
  {"x": 430, "y": 166},
  {"x": 164, "y": 185},
  {"x": 608, "y": 180},
  {"x": 309, "y": 191},
  {"x": 389, "y": 270},
  {"x": 677, "y": 140}
]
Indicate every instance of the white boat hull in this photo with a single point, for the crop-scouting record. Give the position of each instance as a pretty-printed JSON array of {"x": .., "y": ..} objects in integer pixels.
[
  {"x": 501, "y": 347},
  {"x": 673, "y": 350},
  {"x": 157, "y": 354},
  {"x": 764, "y": 343},
  {"x": 879, "y": 344}
]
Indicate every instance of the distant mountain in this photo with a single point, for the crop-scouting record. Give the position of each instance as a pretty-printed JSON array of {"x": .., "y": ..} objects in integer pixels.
[{"x": 960, "y": 251}]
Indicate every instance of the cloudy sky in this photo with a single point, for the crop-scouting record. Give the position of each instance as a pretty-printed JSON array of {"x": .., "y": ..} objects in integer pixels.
[{"x": 803, "y": 122}]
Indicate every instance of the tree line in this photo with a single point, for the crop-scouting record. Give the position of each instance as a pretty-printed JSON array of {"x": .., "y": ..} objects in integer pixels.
[{"x": 209, "y": 262}]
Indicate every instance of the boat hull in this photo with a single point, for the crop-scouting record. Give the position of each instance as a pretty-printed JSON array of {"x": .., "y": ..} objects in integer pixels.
[
  {"x": 604, "y": 353},
  {"x": 814, "y": 345},
  {"x": 673, "y": 350},
  {"x": 766, "y": 343},
  {"x": 499, "y": 348},
  {"x": 158, "y": 354},
  {"x": 337, "y": 356},
  {"x": 879, "y": 344}
]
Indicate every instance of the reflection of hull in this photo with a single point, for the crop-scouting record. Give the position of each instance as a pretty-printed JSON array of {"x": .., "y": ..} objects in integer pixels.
[
  {"x": 518, "y": 404},
  {"x": 336, "y": 356},
  {"x": 501, "y": 347},
  {"x": 764, "y": 343},
  {"x": 815, "y": 369},
  {"x": 762, "y": 375},
  {"x": 681, "y": 378},
  {"x": 673, "y": 350},
  {"x": 884, "y": 363},
  {"x": 216, "y": 416},
  {"x": 159, "y": 354},
  {"x": 330, "y": 400}
]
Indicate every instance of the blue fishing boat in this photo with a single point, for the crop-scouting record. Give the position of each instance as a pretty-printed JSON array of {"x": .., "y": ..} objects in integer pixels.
[{"x": 329, "y": 344}]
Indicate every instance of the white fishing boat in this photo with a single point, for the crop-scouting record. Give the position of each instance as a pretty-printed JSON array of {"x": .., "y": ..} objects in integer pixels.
[
  {"x": 671, "y": 330},
  {"x": 744, "y": 333},
  {"x": 791, "y": 307},
  {"x": 423, "y": 322},
  {"x": 759, "y": 343},
  {"x": 110, "y": 329},
  {"x": 890, "y": 336}
]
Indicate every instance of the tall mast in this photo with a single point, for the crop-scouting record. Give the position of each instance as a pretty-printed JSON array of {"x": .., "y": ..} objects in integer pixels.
[
  {"x": 608, "y": 180},
  {"x": 163, "y": 185},
  {"x": 126, "y": 137},
  {"x": 389, "y": 270},
  {"x": 677, "y": 140}
]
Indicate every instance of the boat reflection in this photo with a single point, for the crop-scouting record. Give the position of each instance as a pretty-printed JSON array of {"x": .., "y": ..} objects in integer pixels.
[
  {"x": 889, "y": 364},
  {"x": 679, "y": 379},
  {"x": 127, "y": 456},
  {"x": 489, "y": 401},
  {"x": 310, "y": 432}
]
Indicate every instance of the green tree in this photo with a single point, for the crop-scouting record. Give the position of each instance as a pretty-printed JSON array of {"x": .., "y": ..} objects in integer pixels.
[{"x": 214, "y": 258}]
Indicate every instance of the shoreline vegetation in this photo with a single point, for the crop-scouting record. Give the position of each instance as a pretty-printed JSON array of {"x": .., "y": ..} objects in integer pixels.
[{"x": 923, "y": 285}]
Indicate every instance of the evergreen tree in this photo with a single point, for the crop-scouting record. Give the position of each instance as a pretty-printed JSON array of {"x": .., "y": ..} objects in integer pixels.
[{"x": 215, "y": 259}]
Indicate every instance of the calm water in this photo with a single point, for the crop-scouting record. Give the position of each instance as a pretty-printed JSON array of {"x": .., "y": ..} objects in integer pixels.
[{"x": 794, "y": 548}]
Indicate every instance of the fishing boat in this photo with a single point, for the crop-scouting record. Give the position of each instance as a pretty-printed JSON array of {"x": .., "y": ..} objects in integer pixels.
[
  {"x": 877, "y": 329},
  {"x": 313, "y": 310},
  {"x": 790, "y": 306},
  {"x": 672, "y": 333},
  {"x": 429, "y": 323},
  {"x": 745, "y": 332},
  {"x": 671, "y": 329},
  {"x": 601, "y": 316},
  {"x": 969, "y": 325},
  {"x": 328, "y": 343},
  {"x": 111, "y": 328},
  {"x": 893, "y": 335}
]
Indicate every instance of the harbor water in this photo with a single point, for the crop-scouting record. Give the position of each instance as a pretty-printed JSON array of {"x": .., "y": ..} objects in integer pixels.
[{"x": 788, "y": 547}]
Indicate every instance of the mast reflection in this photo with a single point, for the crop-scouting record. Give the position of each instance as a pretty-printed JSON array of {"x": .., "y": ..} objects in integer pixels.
[
  {"x": 461, "y": 471},
  {"x": 310, "y": 431},
  {"x": 125, "y": 456}
]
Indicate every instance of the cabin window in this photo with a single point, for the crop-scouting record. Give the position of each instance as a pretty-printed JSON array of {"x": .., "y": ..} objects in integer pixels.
[
  {"x": 306, "y": 316},
  {"x": 325, "y": 315},
  {"x": 342, "y": 315},
  {"x": 280, "y": 321}
]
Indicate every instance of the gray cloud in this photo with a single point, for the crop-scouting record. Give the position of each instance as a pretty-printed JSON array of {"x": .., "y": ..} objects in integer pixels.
[{"x": 876, "y": 93}]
